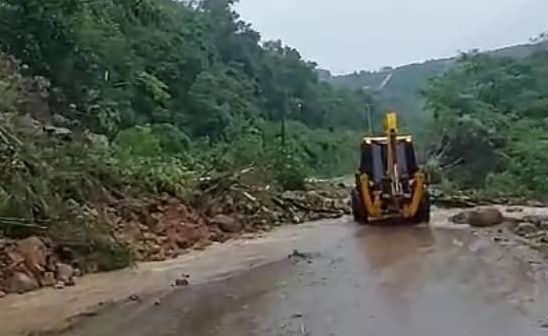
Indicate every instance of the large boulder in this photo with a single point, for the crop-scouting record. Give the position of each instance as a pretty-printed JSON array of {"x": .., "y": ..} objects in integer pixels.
[
  {"x": 485, "y": 217},
  {"x": 20, "y": 282},
  {"x": 34, "y": 254}
]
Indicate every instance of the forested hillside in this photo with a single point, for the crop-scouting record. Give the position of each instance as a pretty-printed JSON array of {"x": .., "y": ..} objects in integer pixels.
[
  {"x": 194, "y": 73},
  {"x": 402, "y": 91},
  {"x": 111, "y": 108},
  {"x": 489, "y": 127}
]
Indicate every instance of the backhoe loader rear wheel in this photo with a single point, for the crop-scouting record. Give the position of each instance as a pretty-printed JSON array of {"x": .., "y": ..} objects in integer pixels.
[
  {"x": 358, "y": 211},
  {"x": 423, "y": 213}
]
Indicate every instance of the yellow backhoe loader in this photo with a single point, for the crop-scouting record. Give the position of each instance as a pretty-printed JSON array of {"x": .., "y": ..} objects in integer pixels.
[{"x": 390, "y": 186}]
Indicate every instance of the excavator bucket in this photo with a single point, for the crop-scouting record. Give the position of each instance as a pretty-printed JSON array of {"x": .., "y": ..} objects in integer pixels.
[{"x": 390, "y": 186}]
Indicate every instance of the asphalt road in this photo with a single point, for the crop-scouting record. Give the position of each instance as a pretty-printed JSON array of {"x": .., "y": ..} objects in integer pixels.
[{"x": 371, "y": 281}]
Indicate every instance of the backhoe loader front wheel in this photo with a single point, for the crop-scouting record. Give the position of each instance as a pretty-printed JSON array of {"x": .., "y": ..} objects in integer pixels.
[
  {"x": 358, "y": 211},
  {"x": 423, "y": 213}
]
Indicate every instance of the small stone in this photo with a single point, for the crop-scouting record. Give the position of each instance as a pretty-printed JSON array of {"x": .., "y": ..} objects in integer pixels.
[
  {"x": 59, "y": 285},
  {"x": 2, "y": 294},
  {"x": 514, "y": 209},
  {"x": 460, "y": 218},
  {"x": 157, "y": 302},
  {"x": 497, "y": 239},
  {"x": 297, "y": 315},
  {"x": 135, "y": 298},
  {"x": 181, "y": 282},
  {"x": 544, "y": 325}
]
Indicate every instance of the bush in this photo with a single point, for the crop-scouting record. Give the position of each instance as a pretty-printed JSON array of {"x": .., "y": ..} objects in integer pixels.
[
  {"x": 290, "y": 172},
  {"x": 504, "y": 184}
]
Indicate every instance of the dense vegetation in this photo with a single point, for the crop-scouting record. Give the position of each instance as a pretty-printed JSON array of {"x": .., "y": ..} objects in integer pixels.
[
  {"x": 142, "y": 97},
  {"x": 402, "y": 91},
  {"x": 188, "y": 74},
  {"x": 490, "y": 123}
]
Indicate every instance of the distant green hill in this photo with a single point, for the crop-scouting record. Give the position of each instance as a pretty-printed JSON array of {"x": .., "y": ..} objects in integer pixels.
[{"x": 398, "y": 88}]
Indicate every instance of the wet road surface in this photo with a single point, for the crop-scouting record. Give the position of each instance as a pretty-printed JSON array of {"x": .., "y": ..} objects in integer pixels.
[{"x": 372, "y": 281}]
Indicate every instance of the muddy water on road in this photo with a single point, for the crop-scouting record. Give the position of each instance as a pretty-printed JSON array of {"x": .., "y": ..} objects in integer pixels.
[{"x": 372, "y": 281}]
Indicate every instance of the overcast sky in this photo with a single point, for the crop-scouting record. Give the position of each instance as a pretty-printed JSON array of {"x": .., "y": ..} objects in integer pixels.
[{"x": 348, "y": 35}]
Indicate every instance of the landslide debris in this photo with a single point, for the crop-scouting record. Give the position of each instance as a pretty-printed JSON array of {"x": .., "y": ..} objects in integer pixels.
[
  {"x": 31, "y": 263},
  {"x": 162, "y": 227},
  {"x": 245, "y": 201},
  {"x": 533, "y": 228},
  {"x": 472, "y": 199}
]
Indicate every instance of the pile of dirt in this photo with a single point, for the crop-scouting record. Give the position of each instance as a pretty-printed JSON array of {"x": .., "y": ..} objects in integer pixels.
[
  {"x": 29, "y": 264},
  {"x": 222, "y": 207},
  {"x": 164, "y": 228}
]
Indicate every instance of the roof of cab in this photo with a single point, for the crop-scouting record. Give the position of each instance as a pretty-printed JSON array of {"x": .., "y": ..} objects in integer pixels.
[{"x": 383, "y": 140}]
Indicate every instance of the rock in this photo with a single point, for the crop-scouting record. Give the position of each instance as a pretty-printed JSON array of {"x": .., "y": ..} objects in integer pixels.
[
  {"x": 34, "y": 252},
  {"x": 458, "y": 243},
  {"x": 2, "y": 294},
  {"x": 61, "y": 121},
  {"x": 485, "y": 217},
  {"x": 514, "y": 209},
  {"x": 59, "y": 132},
  {"x": 135, "y": 298},
  {"x": 181, "y": 282},
  {"x": 59, "y": 285},
  {"x": 227, "y": 223},
  {"x": 525, "y": 228},
  {"x": 460, "y": 218},
  {"x": 543, "y": 224},
  {"x": 65, "y": 274},
  {"x": 297, "y": 255},
  {"x": 20, "y": 283},
  {"x": 48, "y": 279},
  {"x": 537, "y": 220}
]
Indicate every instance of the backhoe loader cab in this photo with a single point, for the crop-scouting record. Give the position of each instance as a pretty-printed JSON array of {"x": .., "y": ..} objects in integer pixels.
[{"x": 390, "y": 186}]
